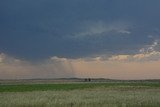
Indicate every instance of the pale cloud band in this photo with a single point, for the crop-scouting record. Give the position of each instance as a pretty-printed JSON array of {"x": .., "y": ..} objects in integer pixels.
[
  {"x": 138, "y": 66},
  {"x": 99, "y": 28},
  {"x": 152, "y": 56}
]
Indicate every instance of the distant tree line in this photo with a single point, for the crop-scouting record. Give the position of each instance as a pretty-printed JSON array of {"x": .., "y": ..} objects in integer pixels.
[{"x": 87, "y": 79}]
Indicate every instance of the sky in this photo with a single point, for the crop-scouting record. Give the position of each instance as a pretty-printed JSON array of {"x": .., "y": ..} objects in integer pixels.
[{"x": 114, "y": 39}]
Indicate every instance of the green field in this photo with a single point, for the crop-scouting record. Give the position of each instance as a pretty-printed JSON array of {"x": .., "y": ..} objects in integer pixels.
[{"x": 93, "y": 94}]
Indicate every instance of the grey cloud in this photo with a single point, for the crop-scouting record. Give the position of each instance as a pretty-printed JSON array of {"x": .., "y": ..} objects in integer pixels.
[{"x": 36, "y": 29}]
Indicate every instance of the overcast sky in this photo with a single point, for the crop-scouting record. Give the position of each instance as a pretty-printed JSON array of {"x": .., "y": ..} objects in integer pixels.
[{"x": 37, "y": 33}]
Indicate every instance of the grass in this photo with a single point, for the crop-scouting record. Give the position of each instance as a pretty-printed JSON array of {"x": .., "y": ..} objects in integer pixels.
[
  {"x": 73, "y": 86},
  {"x": 110, "y": 94}
]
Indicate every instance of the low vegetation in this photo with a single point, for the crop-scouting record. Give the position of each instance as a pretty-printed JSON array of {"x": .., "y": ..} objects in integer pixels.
[{"x": 109, "y": 94}]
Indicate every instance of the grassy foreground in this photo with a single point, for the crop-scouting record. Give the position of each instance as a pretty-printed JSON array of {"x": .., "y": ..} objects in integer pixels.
[{"x": 136, "y": 94}]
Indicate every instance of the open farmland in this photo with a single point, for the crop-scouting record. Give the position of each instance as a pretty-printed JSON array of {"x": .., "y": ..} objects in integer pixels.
[{"x": 81, "y": 94}]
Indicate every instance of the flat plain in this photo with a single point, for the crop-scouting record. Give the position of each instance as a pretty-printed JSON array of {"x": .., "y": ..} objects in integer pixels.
[{"x": 80, "y": 94}]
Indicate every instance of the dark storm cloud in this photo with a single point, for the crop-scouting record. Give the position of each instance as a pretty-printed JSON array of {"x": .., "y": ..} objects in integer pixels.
[{"x": 38, "y": 29}]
